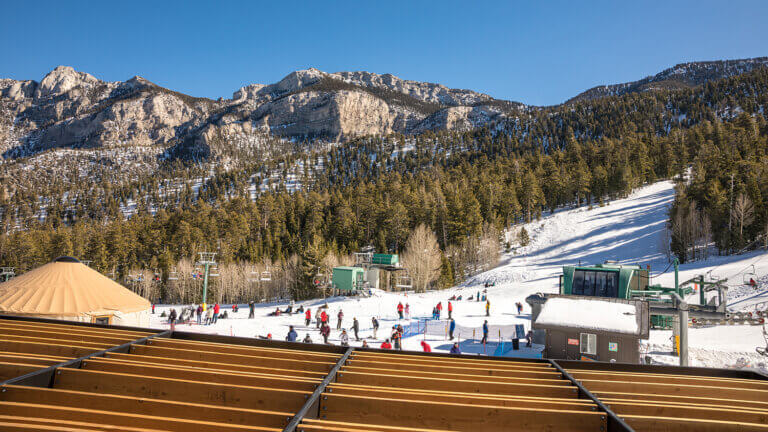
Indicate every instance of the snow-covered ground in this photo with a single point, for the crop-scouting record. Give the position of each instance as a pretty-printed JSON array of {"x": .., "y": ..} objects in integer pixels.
[{"x": 628, "y": 230}]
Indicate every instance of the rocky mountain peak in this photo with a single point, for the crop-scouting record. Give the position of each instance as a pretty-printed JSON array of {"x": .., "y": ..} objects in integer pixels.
[{"x": 63, "y": 79}]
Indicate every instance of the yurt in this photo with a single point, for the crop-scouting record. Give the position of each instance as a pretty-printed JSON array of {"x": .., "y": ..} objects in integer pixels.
[{"x": 69, "y": 290}]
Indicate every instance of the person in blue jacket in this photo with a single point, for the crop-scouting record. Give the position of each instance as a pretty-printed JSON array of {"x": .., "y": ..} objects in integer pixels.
[
  {"x": 485, "y": 333},
  {"x": 292, "y": 335},
  {"x": 452, "y": 328},
  {"x": 455, "y": 348}
]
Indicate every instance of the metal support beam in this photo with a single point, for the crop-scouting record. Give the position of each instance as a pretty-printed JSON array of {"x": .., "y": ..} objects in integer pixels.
[
  {"x": 44, "y": 377},
  {"x": 615, "y": 423},
  {"x": 315, "y": 397}
]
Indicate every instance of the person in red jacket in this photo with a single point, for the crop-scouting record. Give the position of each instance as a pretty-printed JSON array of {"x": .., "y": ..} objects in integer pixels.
[
  {"x": 426, "y": 346},
  {"x": 216, "y": 309},
  {"x": 323, "y": 318},
  {"x": 308, "y": 316},
  {"x": 400, "y": 310},
  {"x": 439, "y": 308},
  {"x": 386, "y": 345},
  {"x": 450, "y": 310}
]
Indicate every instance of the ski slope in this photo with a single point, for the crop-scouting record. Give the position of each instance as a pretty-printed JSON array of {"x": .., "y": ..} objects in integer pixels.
[{"x": 628, "y": 231}]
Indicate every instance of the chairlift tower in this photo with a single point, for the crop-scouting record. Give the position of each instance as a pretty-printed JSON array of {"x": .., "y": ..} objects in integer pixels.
[{"x": 207, "y": 260}]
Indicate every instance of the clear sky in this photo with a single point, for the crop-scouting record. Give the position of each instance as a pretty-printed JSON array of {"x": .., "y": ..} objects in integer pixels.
[{"x": 536, "y": 52}]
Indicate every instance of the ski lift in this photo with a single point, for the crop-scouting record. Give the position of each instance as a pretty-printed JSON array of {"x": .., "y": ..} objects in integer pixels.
[
  {"x": 214, "y": 272},
  {"x": 173, "y": 275},
  {"x": 404, "y": 282},
  {"x": 749, "y": 276},
  {"x": 266, "y": 275}
]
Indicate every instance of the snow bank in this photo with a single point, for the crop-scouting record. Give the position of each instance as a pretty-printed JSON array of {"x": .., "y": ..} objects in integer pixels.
[{"x": 589, "y": 314}]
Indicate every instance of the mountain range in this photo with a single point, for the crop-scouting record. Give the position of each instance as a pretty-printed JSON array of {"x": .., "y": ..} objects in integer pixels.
[{"x": 68, "y": 109}]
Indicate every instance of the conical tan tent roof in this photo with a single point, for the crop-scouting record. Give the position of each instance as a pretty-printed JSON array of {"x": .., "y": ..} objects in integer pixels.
[{"x": 65, "y": 288}]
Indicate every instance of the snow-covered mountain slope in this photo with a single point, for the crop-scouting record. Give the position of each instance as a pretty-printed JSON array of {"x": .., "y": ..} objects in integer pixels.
[{"x": 626, "y": 230}]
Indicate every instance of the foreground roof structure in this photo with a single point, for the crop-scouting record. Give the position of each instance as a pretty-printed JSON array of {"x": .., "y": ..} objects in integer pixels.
[{"x": 57, "y": 375}]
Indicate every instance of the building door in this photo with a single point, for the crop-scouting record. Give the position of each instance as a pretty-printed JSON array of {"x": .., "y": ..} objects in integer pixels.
[{"x": 556, "y": 344}]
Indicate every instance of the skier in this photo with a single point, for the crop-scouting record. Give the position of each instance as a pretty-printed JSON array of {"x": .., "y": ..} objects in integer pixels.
[
  {"x": 307, "y": 339},
  {"x": 450, "y": 310},
  {"x": 439, "y": 309},
  {"x": 252, "y": 307},
  {"x": 375, "y": 323},
  {"x": 341, "y": 317},
  {"x": 356, "y": 328},
  {"x": 487, "y": 308},
  {"x": 325, "y": 330},
  {"x": 485, "y": 333},
  {"x": 386, "y": 345},
  {"x": 519, "y": 308},
  {"x": 455, "y": 348},
  {"x": 323, "y": 318},
  {"x": 292, "y": 335},
  {"x": 216, "y": 309},
  {"x": 344, "y": 338},
  {"x": 400, "y": 310},
  {"x": 452, "y": 328},
  {"x": 425, "y": 346}
]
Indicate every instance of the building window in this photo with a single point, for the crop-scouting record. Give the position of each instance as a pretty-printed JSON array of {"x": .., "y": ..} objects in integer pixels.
[
  {"x": 588, "y": 343},
  {"x": 104, "y": 320},
  {"x": 595, "y": 283}
]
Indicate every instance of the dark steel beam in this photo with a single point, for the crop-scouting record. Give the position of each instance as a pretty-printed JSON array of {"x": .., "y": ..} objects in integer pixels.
[
  {"x": 615, "y": 423},
  {"x": 314, "y": 399},
  {"x": 44, "y": 377},
  {"x": 78, "y": 323}
]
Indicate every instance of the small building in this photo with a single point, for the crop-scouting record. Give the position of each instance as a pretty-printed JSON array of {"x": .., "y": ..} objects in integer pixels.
[
  {"x": 347, "y": 279},
  {"x": 590, "y": 328}
]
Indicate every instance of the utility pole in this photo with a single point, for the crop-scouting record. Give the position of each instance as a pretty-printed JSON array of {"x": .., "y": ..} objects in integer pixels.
[{"x": 207, "y": 259}]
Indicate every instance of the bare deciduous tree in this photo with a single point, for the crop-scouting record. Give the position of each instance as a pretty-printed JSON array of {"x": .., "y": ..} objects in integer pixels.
[
  {"x": 743, "y": 211},
  {"x": 422, "y": 257}
]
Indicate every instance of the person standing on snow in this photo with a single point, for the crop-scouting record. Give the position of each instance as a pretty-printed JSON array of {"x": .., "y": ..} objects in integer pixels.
[
  {"x": 455, "y": 348},
  {"x": 425, "y": 346},
  {"x": 341, "y": 317},
  {"x": 318, "y": 318},
  {"x": 323, "y": 318},
  {"x": 356, "y": 328},
  {"x": 478, "y": 296},
  {"x": 451, "y": 328},
  {"x": 199, "y": 314},
  {"x": 215, "y": 312},
  {"x": 450, "y": 310},
  {"x": 325, "y": 330},
  {"x": 308, "y": 316},
  {"x": 375, "y": 323},
  {"x": 252, "y": 307},
  {"x": 292, "y": 335},
  {"x": 400, "y": 310},
  {"x": 519, "y": 308},
  {"x": 208, "y": 318},
  {"x": 344, "y": 338},
  {"x": 485, "y": 333},
  {"x": 439, "y": 308},
  {"x": 488, "y": 308},
  {"x": 407, "y": 311},
  {"x": 396, "y": 338}
]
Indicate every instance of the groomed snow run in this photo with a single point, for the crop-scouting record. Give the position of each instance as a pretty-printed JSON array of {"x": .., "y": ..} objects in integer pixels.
[{"x": 627, "y": 230}]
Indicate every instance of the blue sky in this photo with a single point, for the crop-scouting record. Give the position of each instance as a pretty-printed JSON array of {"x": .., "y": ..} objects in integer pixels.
[{"x": 540, "y": 52}]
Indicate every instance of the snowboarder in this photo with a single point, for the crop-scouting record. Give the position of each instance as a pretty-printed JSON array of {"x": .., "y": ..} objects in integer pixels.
[
  {"x": 400, "y": 310},
  {"x": 325, "y": 330},
  {"x": 356, "y": 328},
  {"x": 487, "y": 308},
  {"x": 307, "y": 339},
  {"x": 386, "y": 345},
  {"x": 215, "y": 312},
  {"x": 450, "y": 310},
  {"x": 375, "y": 323},
  {"x": 452, "y": 328},
  {"x": 292, "y": 335},
  {"x": 308, "y": 316},
  {"x": 425, "y": 346},
  {"x": 485, "y": 333},
  {"x": 341, "y": 317},
  {"x": 344, "y": 337},
  {"x": 252, "y": 309},
  {"x": 455, "y": 348}
]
